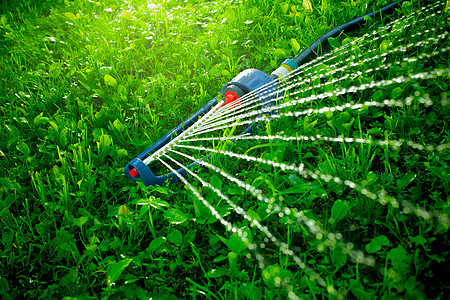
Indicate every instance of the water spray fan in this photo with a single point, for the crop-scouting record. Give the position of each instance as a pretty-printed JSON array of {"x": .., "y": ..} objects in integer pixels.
[{"x": 249, "y": 83}]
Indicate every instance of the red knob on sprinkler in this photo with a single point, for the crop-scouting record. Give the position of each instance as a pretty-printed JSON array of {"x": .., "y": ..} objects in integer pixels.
[
  {"x": 133, "y": 173},
  {"x": 232, "y": 93},
  {"x": 230, "y": 97}
]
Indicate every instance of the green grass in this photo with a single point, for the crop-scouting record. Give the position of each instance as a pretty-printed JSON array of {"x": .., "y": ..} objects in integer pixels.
[{"x": 88, "y": 85}]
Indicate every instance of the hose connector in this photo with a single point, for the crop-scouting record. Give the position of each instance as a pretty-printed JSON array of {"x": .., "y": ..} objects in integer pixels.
[{"x": 285, "y": 68}]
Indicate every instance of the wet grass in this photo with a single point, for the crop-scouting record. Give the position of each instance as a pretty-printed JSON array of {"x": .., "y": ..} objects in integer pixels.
[{"x": 87, "y": 85}]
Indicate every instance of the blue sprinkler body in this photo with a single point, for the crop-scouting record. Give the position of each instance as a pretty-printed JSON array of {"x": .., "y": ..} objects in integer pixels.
[{"x": 248, "y": 81}]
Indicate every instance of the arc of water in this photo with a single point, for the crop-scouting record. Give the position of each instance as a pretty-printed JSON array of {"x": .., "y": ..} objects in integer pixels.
[
  {"x": 224, "y": 112},
  {"x": 322, "y": 59},
  {"x": 264, "y": 229},
  {"x": 369, "y": 35},
  {"x": 382, "y": 197},
  {"x": 313, "y": 138},
  {"x": 236, "y": 111},
  {"x": 249, "y": 110},
  {"x": 331, "y": 239},
  {"x": 231, "y": 228},
  {"x": 268, "y": 118},
  {"x": 337, "y": 92}
]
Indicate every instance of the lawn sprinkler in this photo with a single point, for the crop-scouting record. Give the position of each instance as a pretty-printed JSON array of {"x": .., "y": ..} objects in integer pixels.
[{"x": 249, "y": 84}]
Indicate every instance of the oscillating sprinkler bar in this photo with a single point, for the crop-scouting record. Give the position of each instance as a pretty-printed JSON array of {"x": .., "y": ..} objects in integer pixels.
[{"x": 252, "y": 83}]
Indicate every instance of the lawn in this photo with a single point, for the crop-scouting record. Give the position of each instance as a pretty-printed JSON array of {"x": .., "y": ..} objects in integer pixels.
[{"x": 87, "y": 86}]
